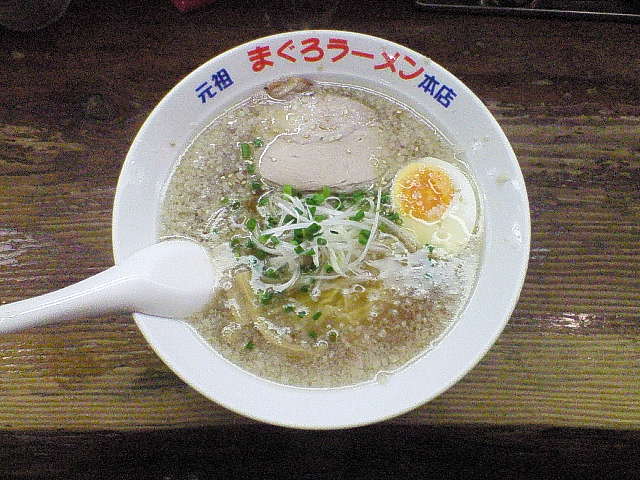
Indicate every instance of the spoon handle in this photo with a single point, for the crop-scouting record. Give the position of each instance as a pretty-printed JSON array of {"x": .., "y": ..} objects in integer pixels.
[
  {"x": 112, "y": 290},
  {"x": 173, "y": 279}
]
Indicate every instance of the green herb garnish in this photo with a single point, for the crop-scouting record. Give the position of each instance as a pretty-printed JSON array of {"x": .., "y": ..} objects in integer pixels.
[
  {"x": 394, "y": 217},
  {"x": 315, "y": 199},
  {"x": 288, "y": 189},
  {"x": 258, "y": 142},
  {"x": 363, "y": 236},
  {"x": 245, "y": 151},
  {"x": 289, "y": 308},
  {"x": 358, "y": 216},
  {"x": 316, "y": 315},
  {"x": 311, "y": 231},
  {"x": 321, "y": 241},
  {"x": 265, "y": 297},
  {"x": 251, "y": 224},
  {"x": 271, "y": 273},
  {"x": 249, "y": 345},
  {"x": 313, "y": 335}
]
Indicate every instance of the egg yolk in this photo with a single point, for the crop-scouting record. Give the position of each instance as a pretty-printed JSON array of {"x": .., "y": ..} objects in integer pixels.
[{"x": 426, "y": 194}]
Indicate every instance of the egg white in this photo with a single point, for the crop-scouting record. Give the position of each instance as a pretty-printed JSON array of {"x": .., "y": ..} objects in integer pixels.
[{"x": 454, "y": 228}]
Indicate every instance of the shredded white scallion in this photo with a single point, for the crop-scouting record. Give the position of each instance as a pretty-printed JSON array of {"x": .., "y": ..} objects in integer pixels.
[{"x": 316, "y": 232}]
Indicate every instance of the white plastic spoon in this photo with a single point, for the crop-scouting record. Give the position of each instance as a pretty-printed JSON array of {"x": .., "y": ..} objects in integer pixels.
[{"x": 174, "y": 279}]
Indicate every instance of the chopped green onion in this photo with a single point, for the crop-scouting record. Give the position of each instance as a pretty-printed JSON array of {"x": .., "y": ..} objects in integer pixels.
[
  {"x": 289, "y": 308},
  {"x": 258, "y": 142},
  {"x": 265, "y": 296},
  {"x": 245, "y": 151},
  {"x": 357, "y": 196},
  {"x": 304, "y": 288},
  {"x": 265, "y": 238},
  {"x": 315, "y": 199},
  {"x": 256, "y": 186},
  {"x": 319, "y": 218},
  {"x": 329, "y": 269},
  {"x": 251, "y": 224},
  {"x": 358, "y": 216},
  {"x": 311, "y": 230},
  {"x": 224, "y": 201},
  {"x": 308, "y": 252},
  {"x": 235, "y": 241},
  {"x": 271, "y": 273},
  {"x": 313, "y": 334},
  {"x": 263, "y": 201},
  {"x": 274, "y": 240},
  {"x": 298, "y": 250},
  {"x": 321, "y": 241},
  {"x": 326, "y": 192},
  {"x": 302, "y": 313},
  {"x": 385, "y": 198},
  {"x": 288, "y": 189},
  {"x": 394, "y": 217},
  {"x": 251, "y": 168},
  {"x": 363, "y": 236},
  {"x": 251, "y": 244},
  {"x": 250, "y": 345},
  {"x": 316, "y": 315}
]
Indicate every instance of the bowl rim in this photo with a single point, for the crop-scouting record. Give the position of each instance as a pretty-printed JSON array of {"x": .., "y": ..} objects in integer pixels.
[{"x": 144, "y": 321}]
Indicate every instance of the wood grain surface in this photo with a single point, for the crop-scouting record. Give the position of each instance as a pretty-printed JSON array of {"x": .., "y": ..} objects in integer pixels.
[{"x": 567, "y": 94}]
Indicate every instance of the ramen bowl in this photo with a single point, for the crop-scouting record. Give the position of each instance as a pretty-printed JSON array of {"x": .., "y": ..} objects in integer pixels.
[{"x": 410, "y": 78}]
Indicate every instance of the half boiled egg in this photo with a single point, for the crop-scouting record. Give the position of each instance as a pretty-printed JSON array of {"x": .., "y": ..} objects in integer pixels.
[{"x": 436, "y": 202}]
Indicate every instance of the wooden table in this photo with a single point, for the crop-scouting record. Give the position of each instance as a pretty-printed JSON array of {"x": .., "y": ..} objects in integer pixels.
[{"x": 560, "y": 388}]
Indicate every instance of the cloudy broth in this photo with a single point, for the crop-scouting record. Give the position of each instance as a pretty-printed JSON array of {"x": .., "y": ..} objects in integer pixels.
[{"x": 325, "y": 287}]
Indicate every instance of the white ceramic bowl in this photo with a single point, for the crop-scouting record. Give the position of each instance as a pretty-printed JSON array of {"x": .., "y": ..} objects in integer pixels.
[{"x": 411, "y": 78}]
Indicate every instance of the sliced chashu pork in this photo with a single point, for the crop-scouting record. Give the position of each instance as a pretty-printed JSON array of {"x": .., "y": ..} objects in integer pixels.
[{"x": 328, "y": 140}]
